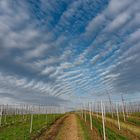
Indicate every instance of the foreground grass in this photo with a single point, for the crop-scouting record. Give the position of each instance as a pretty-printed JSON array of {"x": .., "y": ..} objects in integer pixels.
[
  {"x": 131, "y": 124},
  {"x": 83, "y": 129},
  {"x": 131, "y": 119},
  {"x": 110, "y": 134},
  {"x": 19, "y": 129}
]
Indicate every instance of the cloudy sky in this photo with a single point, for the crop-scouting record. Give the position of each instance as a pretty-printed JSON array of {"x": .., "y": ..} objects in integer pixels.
[{"x": 58, "y": 51}]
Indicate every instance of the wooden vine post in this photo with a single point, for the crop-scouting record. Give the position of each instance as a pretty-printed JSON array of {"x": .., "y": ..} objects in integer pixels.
[
  {"x": 118, "y": 116},
  {"x": 103, "y": 121},
  {"x": 31, "y": 123},
  {"x": 90, "y": 109}
]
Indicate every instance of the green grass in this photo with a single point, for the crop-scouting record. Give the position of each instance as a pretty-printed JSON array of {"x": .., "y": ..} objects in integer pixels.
[
  {"x": 137, "y": 114},
  {"x": 84, "y": 130},
  {"x": 129, "y": 119},
  {"x": 134, "y": 121},
  {"x": 19, "y": 128}
]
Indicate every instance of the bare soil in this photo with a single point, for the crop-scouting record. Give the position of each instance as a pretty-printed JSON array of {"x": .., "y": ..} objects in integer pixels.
[{"x": 70, "y": 129}]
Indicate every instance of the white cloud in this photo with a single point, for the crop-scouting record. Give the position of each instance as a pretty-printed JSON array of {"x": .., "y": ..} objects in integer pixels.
[
  {"x": 36, "y": 52},
  {"x": 66, "y": 65},
  {"x": 95, "y": 58},
  {"x": 134, "y": 36},
  {"x": 48, "y": 70},
  {"x": 95, "y": 24},
  {"x": 117, "y": 6},
  {"x": 118, "y": 22}
]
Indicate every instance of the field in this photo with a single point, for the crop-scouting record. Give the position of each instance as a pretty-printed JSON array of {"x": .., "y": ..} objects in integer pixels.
[
  {"x": 81, "y": 124},
  {"x": 17, "y": 127}
]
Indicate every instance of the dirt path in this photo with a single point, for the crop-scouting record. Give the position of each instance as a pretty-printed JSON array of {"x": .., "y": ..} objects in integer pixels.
[{"x": 70, "y": 129}]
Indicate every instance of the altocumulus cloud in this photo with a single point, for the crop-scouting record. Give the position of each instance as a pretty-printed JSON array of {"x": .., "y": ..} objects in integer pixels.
[{"x": 53, "y": 50}]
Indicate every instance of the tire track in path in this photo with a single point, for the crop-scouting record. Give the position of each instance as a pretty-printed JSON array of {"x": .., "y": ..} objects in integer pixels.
[{"x": 70, "y": 129}]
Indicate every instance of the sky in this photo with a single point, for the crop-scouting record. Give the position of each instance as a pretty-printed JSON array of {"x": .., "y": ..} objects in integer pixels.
[{"x": 68, "y": 51}]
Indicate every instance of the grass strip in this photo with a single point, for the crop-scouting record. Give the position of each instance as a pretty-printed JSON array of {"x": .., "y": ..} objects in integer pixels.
[
  {"x": 111, "y": 134},
  {"x": 83, "y": 129}
]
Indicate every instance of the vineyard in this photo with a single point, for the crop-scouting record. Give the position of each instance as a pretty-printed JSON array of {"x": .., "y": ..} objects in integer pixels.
[
  {"x": 86, "y": 122},
  {"x": 69, "y": 69}
]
